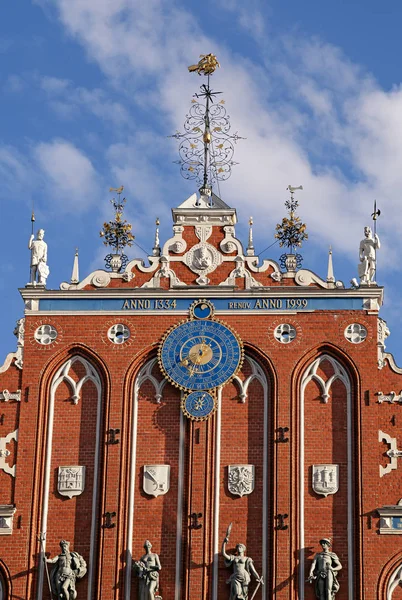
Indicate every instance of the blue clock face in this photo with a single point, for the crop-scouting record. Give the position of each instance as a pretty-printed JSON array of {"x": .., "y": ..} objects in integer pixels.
[
  {"x": 200, "y": 355},
  {"x": 198, "y": 405}
]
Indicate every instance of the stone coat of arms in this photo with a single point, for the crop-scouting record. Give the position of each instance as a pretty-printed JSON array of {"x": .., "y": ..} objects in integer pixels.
[
  {"x": 156, "y": 479},
  {"x": 325, "y": 479},
  {"x": 241, "y": 479},
  {"x": 71, "y": 481}
]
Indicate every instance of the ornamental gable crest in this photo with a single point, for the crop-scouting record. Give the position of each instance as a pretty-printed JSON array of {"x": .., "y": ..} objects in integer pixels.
[
  {"x": 241, "y": 479},
  {"x": 156, "y": 479},
  {"x": 71, "y": 481},
  {"x": 325, "y": 479}
]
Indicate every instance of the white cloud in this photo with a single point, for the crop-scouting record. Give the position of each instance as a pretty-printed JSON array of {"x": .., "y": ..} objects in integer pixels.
[
  {"x": 68, "y": 175},
  {"x": 14, "y": 84},
  {"x": 310, "y": 117},
  {"x": 67, "y": 100}
]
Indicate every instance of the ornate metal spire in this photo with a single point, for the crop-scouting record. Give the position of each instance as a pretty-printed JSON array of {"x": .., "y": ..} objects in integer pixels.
[
  {"x": 117, "y": 234},
  {"x": 291, "y": 232},
  {"x": 206, "y": 147}
]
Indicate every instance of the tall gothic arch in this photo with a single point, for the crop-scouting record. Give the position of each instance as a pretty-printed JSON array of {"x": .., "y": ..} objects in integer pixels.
[
  {"x": 326, "y": 392},
  {"x": 76, "y": 386}
]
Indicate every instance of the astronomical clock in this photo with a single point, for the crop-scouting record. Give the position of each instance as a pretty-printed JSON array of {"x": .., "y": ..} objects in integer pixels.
[{"x": 198, "y": 356}]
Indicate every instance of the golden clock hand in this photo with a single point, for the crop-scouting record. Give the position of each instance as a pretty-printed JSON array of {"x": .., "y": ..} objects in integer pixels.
[{"x": 195, "y": 364}]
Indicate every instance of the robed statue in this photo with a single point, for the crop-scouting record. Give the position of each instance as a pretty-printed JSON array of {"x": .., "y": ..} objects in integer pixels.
[{"x": 242, "y": 569}]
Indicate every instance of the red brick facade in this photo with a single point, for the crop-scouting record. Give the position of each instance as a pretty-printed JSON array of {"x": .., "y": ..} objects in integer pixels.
[{"x": 283, "y": 519}]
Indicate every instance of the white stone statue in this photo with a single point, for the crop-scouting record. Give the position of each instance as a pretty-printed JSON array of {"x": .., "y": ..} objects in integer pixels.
[
  {"x": 39, "y": 269},
  {"x": 323, "y": 572},
  {"x": 147, "y": 570},
  {"x": 69, "y": 566},
  {"x": 243, "y": 568},
  {"x": 367, "y": 254}
]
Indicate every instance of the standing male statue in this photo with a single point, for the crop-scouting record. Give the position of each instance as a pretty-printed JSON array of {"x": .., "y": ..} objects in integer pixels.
[
  {"x": 243, "y": 567},
  {"x": 39, "y": 269},
  {"x": 367, "y": 254},
  {"x": 147, "y": 570},
  {"x": 69, "y": 566},
  {"x": 324, "y": 571}
]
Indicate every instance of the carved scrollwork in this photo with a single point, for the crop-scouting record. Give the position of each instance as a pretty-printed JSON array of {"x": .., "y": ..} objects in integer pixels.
[{"x": 100, "y": 279}]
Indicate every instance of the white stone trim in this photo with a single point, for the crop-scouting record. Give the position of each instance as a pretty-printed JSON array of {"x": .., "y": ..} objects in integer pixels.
[
  {"x": 36, "y": 294},
  {"x": 62, "y": 375},
  {"x": 180, "y": 492},
  {"x": 394, "y": 581},
  {"x": 145, "y": 374},
  {"x": 259, "y": 375},
  {"x": 216, "y": 548},
  {"x": 7, "y": 362},
  {"x": 341, "y": 374}
]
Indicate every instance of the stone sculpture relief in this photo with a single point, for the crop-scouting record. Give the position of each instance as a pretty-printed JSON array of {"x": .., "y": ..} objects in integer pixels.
[
  {"x": 202, "y": 259},
  {"x": 393, "y": 452},
  {"x": 69, "y": 566},
  {"x": 147, "y": 570},
  {"x": 242, "y": 569},
  {"x": 323, "y": 572},
  {"x": 241, "y": 479},
  {"x": 71, "y": 481},
  {"x": 5, "y": 453},
  {"x": 39, "y": 269},
  {"x": 156, "y": 479},
  {"x": 325, "y": 479},
  {"x": 367, "y": 256}
]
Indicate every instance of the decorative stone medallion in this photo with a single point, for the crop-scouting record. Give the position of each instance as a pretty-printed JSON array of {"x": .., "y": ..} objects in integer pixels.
[
  {"x": 285, "y": 333},
  {"x": 118, "y": 333},
  {"x": 241, "y": 479},
  {"x": 45, "y": 334},
  {"x": 71, "y": 481},
  {"x": 203, "y": 258},
  {"x": 156, "y": 480},
  {"x": 325, "y": 479},
  {"x": 355, "y": 333}
]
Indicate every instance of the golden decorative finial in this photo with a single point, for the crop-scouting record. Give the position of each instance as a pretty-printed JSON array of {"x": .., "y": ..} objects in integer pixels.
[
  {"x": 117, "y": 190},
  {"x": 250, "y": 221},
  {"x": 206, "y": 65}
]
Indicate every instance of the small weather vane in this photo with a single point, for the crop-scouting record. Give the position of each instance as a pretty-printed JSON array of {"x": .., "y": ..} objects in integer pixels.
[
  {"x": 291, "y": 232},
  {"x": 206, "y": 147},
  {"x": 117, "y": 234}
]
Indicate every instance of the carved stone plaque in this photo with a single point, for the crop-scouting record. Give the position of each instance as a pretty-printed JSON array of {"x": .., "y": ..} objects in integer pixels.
[
  {"x": 325, "y": 479},
  {"x": 241, "y": 479},
  {"x": 71, "y": 481},
  {"x": 156, "y": 480}
]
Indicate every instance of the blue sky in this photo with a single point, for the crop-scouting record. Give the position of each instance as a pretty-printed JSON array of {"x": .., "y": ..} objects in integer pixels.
[{"x": 90, "y": 90}]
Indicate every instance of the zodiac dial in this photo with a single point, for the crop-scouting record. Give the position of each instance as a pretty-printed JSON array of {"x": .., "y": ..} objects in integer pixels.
[
  {"x": 200, "y": 355},
  {"x": 198, "y": 406}
]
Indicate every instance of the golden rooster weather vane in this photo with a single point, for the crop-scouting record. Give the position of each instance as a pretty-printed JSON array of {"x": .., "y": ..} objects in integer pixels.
[{"x": 206, "y": 65}]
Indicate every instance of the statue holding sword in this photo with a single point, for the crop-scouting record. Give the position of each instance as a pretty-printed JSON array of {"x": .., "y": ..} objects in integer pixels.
[{"x": 243, "y": 568}]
